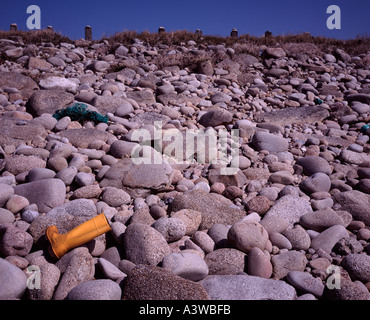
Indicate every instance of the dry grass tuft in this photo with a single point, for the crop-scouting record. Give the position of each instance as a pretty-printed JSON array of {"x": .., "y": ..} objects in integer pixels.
[
  {"x": 182, "y": 60},
  {"x": 292, "y": 43},
  {"x": 35, "y": 36}
]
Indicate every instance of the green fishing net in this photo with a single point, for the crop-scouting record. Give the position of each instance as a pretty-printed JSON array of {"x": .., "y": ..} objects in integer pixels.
[{"x": 79, "y": 112}]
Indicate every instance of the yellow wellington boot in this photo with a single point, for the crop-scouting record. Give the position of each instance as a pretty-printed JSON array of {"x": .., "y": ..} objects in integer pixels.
[{"x": 61, "y": 243}]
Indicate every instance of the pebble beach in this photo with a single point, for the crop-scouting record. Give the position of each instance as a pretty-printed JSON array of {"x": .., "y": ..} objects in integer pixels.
[{"x": 290, "y": 222}]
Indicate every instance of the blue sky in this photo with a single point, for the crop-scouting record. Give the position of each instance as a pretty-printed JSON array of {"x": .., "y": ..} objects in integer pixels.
[{"x": 213, "y": 17}]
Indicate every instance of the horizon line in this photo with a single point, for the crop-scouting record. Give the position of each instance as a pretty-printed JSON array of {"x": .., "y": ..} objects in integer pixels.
[{"x": 109, "y": 34}]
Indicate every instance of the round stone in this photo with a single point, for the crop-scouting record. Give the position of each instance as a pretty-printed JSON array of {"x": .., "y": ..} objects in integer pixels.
[
  {"x": 172, "y": 228},
  {"x": 298, "y": 237},
  {"x": 186, "y": 265},
  {"x": 204, "y": 241},
  {"x": 363, "y": 234},
  {"x": 361, "y": 107},
  {"x": 109, "y": 270},
  {"x": 216, "y": 117},
  {"x": 270, "y": 142},
  {"x": 115, "y": 197},
  {"x": 282, "y": 177},
  {"x": 245, "y": 235},
  {"x": 314, "y": 164},
  {"x": 84, "y": 179},
  {"x": 16, "y": 203},
  {"x": 156, "y": 283},
  {"x": 329, "y": 237},
  {"x": 321, "y": 220},
  {"x": 347, "y": 290},
  {"x": 274, "y": 224},
  {"x": 259, "y": 264},
  {"x": 20, "y": 163},
  {"x": 233, "y": 192},
  {"x": 101, "y": 289},
  {"x": 157, "y": 212},
  {"x": 271, "y": 193},
  {"x": 218, "y": 187},
  {"x": 144, "y": 245},
  {"x": 124, "y": 110},
  {"x": 6, "y": 216},
  {"x": 240, "y": 162},
  {"x": 29, "y": 215},
  {"x": 87, "y": 192},
  {"x": 305, "y": 282},
  {"x": 353, "y": 157},
  {"x": 285, "y": 262},
  {"x": 40, "y": 174},
  {"x": 50, "y": 276},
  {"x": 259, "y": 204},
  {"x": 364, "y": 185},
  {"x": 13, "y": 281},
  {"x": 218, "y": 233},
  {"x": 246, "y": 287},
  {"x": 225, "y": 261},
  {"x": 67, "y": 175},
  {"x": 278, "y": 240},
  {"x": 358, "y": 266},
  {"x": 101, "y": 66},
  {"x": 14, "y": 241},
  {"x": 319, "y": 263},
  {"x": 318, "y": 182},
  {"x": 191, "y": 219},
  {"x": 6, "y": 192}
]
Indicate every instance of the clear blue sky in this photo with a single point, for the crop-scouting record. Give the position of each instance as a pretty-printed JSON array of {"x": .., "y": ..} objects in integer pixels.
[{"x": 213, "y": 17}]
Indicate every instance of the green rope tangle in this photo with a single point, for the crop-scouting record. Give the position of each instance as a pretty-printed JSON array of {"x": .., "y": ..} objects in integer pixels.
[
  {"x": 79, "y": 112},
  {"x": 318, "y": 101}
]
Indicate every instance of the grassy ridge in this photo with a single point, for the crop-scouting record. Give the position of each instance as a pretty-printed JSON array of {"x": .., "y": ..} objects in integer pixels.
[{"x": 246, "y": 43}]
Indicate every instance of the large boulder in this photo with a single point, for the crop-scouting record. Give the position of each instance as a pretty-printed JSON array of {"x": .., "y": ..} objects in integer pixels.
[
  {"x": 267, "y": 141},
  {"x": 274, "y": 53},
  {"x": 144, "y": 245},
  {"x": 48, "y": 101},
  {"x": 102, "y": 289},
  {"x": 46, "y": 194},
  {"x": 13, "y": 281},
  {"x": 314, "y": 164},
  {"x": 144, "y": 97},
  {"x": 155, "y": 283},
  {"x": 356, "y": 203},
  {"x": 245, "y": 287},
  {"x": 23, "y": 83},
  {"x": 14, "y": 241},
  {"x": 19, "y": 163},
  {"x": 214, "y": 208},
  {"x": 81, "y": 138},
  {"x": 106, "y": 104},
  {"x": 15, "y": 132},
  {"x": 215, "y": 117},
  {"x": 245, "y": 235},
  {"x": 289, "y": 207},
  {"x": 292, "y": 115},
  {"x": 138, "y": 179},
  {"x": 77, "y": 267},
  {"x": 65, "y": 217},
  {"x": 59, "y": 83}
]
